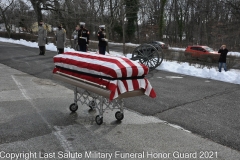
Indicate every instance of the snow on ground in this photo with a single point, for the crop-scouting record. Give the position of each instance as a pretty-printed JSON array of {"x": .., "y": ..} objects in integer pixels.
[{"x": 232, "y": 76}]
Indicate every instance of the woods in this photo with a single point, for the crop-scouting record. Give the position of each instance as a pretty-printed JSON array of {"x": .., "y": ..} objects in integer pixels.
[{"x": 176, "y": 22}]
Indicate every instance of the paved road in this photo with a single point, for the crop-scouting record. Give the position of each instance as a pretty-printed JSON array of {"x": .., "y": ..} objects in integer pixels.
[{"x": 205, "y": 107}]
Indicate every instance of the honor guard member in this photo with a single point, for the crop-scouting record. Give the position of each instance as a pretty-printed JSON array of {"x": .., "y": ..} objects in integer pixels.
[
  {"x": 75, "y": 37},
  {"x": 102, "y": 40},
  {"x": 60, "y": 38},
  {"x": 42, "y": 37},
  {"x": 83, "y": 37}
]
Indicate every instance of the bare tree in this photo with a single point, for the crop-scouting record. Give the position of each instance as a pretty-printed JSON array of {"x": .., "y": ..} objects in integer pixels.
[{"x": 4, "y": 8}]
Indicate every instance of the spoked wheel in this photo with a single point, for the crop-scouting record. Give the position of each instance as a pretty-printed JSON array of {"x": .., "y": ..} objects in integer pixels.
[
  {"x": 99, "y": 120},
  {"x": 119, "y": 115},
  {"x": 147, "y": 55},
  {"x": 73, "y": 107},
  {"x": 161, "y": 54}
]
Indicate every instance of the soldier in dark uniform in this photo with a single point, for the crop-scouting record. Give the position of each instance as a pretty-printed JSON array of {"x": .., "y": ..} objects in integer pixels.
[
  {"x": 83, "y": 37},
  {"x": 102, "y": 40}
]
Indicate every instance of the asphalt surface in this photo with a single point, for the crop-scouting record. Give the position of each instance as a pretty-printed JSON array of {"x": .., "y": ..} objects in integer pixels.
[{"x": 34, "y": 116}]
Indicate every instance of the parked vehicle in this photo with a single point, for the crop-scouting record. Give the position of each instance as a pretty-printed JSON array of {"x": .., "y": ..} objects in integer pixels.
[
  {"x": 156, "y": 44},
  {"x": 204, "y": 53}
]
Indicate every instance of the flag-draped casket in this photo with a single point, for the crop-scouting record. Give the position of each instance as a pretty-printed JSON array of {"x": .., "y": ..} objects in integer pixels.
[{"x": 118, "y": 74}]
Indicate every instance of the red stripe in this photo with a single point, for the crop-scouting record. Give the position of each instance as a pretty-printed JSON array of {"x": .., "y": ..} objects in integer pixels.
[
  {"x": 146, "y": 69},
  {"x": 135, "y": 84},
  {"x": 152, "y": 94},
  {"x": 106, "y": 59}
]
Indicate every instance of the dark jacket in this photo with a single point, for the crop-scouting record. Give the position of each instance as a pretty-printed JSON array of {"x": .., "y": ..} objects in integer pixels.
[
  {"x": 83, "y": 36},
  {"x": 101, "y": 39},
  {"x": 223, "y": 55}
]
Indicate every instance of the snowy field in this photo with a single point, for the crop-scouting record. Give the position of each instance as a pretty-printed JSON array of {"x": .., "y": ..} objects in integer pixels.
[{"x": 232, "y": 76}]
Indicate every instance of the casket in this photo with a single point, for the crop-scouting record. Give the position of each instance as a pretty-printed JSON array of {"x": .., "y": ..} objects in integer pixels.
[{"x": 117, "y": 74}]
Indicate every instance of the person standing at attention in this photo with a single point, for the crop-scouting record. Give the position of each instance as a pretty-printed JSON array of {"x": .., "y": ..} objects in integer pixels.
[
  {"x": 223, "y": 58},
  {"x": 75, "y": 37},
  {"x": 83, "y": 37},
  {"x": 102, "y": 40},
  {"x": 42, "y": 37},
  {"x": 60, "y": 39}
]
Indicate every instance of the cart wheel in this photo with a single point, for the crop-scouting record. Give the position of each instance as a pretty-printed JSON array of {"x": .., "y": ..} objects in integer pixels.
[
  {"x": 119, "y": 115},
  {"x": 73, "y": 107},
  {"x": 147, "y": 55},
  {"x": 99, "y": 120},
  {"x": 92, "y": 104}
]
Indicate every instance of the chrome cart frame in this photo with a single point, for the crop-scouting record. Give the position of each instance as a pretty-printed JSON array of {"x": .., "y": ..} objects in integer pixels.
[{"x": 96, "y": 96}]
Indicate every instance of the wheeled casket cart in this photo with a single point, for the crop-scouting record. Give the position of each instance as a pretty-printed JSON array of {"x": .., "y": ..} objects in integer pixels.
[{"x": 102, "y": 81}]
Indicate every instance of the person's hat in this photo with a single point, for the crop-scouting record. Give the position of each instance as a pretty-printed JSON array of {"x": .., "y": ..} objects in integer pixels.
[
  {"x": 82, "y": 23},
  {"x": 102, "y": 26},
  {"x": 41, "y": 21}
]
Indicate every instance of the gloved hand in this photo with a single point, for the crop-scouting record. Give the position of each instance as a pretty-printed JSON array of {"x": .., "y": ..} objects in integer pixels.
[
  {"x": 75, "y": 36},
  {"x": 87, "y": 45},
  {"x": 106, "y": 39}
]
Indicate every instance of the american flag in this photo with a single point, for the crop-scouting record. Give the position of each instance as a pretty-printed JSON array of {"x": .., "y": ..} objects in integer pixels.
[{"x": 118, "y": 74}]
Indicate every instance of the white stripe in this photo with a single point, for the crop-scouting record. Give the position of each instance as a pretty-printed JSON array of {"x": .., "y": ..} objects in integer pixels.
[
  {"x": 72, "y": 67},
  {"x": 121, "y": 87},
  {"x": 148, "y": 89},
  {"x": 141, "y": 83},
  {"x": 130, "y": 85},
  {"x": 139, "y": 67},
  {"x": 116, "y": 91},
  {"x": 140, "y": 71}
]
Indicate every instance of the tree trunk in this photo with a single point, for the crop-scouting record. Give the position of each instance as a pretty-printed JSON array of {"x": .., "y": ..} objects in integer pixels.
[
  {"x": 37, "y": 9},
  {"x": 161, "y": 18}
]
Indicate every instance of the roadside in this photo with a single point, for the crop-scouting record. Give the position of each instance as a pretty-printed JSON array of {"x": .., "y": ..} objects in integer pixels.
[{"x": 34, "y": 118}]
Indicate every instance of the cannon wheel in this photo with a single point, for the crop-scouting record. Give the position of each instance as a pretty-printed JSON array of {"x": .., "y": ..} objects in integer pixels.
[
  {"x": 148, "y": 55},
  {"x": 161, "y": 54}
]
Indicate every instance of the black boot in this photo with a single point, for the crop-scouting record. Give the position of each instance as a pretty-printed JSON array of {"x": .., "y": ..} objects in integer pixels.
[
  {"x": 43, "y": 50},
  {"x": 40, "y": 49}
]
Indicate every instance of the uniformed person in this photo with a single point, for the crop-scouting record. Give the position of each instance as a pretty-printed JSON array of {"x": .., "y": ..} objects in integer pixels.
[
  {"x": 83, "y": 37},
  {"x": 60, "y": 38},
  {"x": 75, "y": 37},
  {"x": 102, "y": 40},
  {"x": 42, "y": 37}
]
